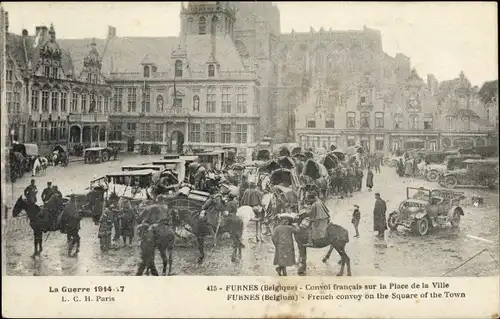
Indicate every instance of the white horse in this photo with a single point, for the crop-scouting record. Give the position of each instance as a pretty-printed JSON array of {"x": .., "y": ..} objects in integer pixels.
[
  {"x": 421, "y": 168},
  {"x": 40, "y": 165},
  {"x": 246, "y": 214}
]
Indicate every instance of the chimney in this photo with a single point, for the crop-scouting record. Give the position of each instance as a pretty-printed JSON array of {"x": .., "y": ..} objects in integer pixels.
[
  {"x": 111, "y": 32},
  {"x": 41, "y": 31}
]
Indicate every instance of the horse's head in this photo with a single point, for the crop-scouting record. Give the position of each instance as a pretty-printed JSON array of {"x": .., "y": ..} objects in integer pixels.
[{"x": 20, "y": 205}]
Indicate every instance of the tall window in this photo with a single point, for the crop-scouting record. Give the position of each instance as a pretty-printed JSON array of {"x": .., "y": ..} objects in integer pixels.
[
  {"x": 159, "y": 103},
  {"x": 364, "y": 97},
  {"x": 84, "y": 103},
  {"x": 34, "y": 99},
  {"x": 178, "y": 68},
  {"x": 413, "y": 121},
  {"x": 241, "y": 133},
  {"x": 379, "y": 144},
  {"x": 55, "y": 72},
  {"x": 211, "y": 70},
  {"x": 146, "y": 107},
  {"x": 398, "y": 121},
  {"x": 99, "y": 104},
  {"x": 466, "y": 120},
  {"x": 106, "y": 103},
  {"x": 46, "y": 71},
  {"x": 320, "y": 100},
  {"x": 211, "y": 99},
  {"x": 225, "y": 133},
  {"x": 202, "y": 25},
  {"x": 196, "y": 103},
  {"x": 195, "y": 133},
  {"x": 226, "y": 99},
  {"x": 428, "y": 119},
  {"x": 117, "y": 105},
  {"x": 311, "y": 121},
  {"x": 54, "y": 98},
  {"x": 53, "y": 131},
  {"x": 145, "y": 131},
  {"x": 45, "y": 100},
  {"x": 158, "y": 132},
  {"x": 364, "y": 120},
  {"x": 34, "y": 132},
  {"x": 178, "y": 103},
  {"x": 116, "y": 131},
  {"x": 9, "y": 101},
  {"x": 351, "y": 120},
  {"x": 62, "y": 131},
  {"x": 64, "y": 101},
  {"x": 209, "y": 133},
  {"x": 241, "y": 100},
  {"x": 132, "y": 99},
  {"x": 379, "y": 120},
  {"x": 44, "y": 136},
  {"x": 330, "y": 121},
  {"x": 146, "y": 71},
  {"x": 189, "y": 25},
  {"x": 74, "y": 103},
  {"x": 17, "y": 99}
]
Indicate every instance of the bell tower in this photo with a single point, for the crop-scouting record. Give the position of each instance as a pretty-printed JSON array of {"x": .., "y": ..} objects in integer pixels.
[{"x": 210, "y": 17}]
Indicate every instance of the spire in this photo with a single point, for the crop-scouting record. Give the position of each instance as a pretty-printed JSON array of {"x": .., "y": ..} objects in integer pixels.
[{"x": 52, "y": 32}]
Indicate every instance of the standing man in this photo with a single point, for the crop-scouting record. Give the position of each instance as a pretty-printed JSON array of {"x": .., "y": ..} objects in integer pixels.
[
  {"x": 30, "y": 193},
  {"x": 356, "y": 217},
  {"x": 377, "y": 161},
  {"x": 253, "y": 197},
  {"x": 284, "y": 251},
  {"x": 47, "y": 192},
  {"x": 369, "y": 179},
  {"x": 379, "y": 220}
]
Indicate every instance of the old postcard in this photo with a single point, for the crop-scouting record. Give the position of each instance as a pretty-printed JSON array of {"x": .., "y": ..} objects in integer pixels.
[{"x": 249, "y": 159}]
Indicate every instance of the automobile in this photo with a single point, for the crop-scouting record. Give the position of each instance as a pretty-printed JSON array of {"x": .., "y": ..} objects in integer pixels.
[
  {"x": 434, "y": 171},
  {"x": 96, "y": 154},
  {"x": 139, "y": 167},
  {"x": 134, "y": 185},
  {"x": 214, "y": 160},
  {"x": 424, "y": 209},
  {"x": 177, "y": 166},
  {"x": 477, "y": 172}
]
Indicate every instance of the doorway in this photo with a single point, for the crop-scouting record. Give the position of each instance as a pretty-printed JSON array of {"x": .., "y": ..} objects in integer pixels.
[{"x": 177, "y": 142}]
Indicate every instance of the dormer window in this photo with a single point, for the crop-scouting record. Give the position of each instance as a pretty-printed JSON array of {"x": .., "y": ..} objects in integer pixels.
[
  {"x": 146, "y": 71},
  {"x": 46, "y": 71},
  {"x": 202, "y": 25},
  {"x": 211, "y": 70},
  {"x": 54, "y": 72},
  {"x": 178, "y": 68}
]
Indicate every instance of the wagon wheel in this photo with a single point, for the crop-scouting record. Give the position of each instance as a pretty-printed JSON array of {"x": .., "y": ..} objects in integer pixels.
[
  {"x": 104, "y": 157},
  {"x": 455, "y": 220}
]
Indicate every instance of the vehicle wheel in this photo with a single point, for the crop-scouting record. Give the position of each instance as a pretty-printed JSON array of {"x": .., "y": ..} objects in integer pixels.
[
  {"x": 432, "y": 176},
  {"x": 450, "y": 182},
  {"x": 393, "y": 221},
  {"x": 393, "y": 163},
  {"x": 105, "y": 157},
  {"x": 421, "y": 226},
  {"x": 455, "y": 220}
]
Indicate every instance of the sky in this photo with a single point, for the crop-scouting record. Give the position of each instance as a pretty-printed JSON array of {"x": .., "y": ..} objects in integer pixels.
[{"x": 442, "y": 38}]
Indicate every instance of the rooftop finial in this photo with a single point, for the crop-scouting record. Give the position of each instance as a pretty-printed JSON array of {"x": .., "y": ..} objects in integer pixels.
[{"x": 52, "y": 32}]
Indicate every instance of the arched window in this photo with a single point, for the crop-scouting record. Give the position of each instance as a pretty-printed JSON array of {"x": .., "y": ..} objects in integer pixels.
[
  {"x": 413, "y": 121},
  {"x": 398, "y": 121},
  {"x": 196, "y": 103},
  {"x": 320, "y": 99},
  {"x": 159, "y": 103},
  {"x": 202, "y": 25},
  {"x": 178, "y": 68},
  {"x": 189, "y": 28},
  {"x": 211, "y": 70},
  {"x": 351, "y": 120},
  {"x": 364, "y": 120},
  {"x": 146, "y": 71}
]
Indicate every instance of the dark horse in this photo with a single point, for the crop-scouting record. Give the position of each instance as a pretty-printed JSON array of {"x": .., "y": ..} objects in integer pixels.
[
  {"x": 41, "y": 221},
  {"x": 336, "y": 237}
]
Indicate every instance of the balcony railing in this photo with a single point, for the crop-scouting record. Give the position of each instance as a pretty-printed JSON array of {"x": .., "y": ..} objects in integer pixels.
[{"x": 93, "y": 117}]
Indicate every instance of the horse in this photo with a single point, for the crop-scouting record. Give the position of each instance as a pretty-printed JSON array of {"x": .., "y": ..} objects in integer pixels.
[
  {"x": 161, "y": 237},
  {"x": 336, "y": 237},
  {"x": 40, "y": 165},
  {"x": 41, "y": 221}
]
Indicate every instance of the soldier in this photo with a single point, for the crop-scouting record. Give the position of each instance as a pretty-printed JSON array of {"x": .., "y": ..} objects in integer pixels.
[
  {"x": 284, "y": 252},
  {"x": 47, "y": 192},
  {"x": 30, "y": 193},
  {"x": 319, "y": 219},
  {"x": 379, "y": 219},
  {"x": 253, "y": 197},
  {"x": 106, "y": 227},
  {"x": 356, "y": 216}
]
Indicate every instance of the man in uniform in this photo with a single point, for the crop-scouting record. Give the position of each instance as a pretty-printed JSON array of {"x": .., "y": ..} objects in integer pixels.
[
  {"x": 30, "y": 193},
  {"x": 54, "y": 206},
  {"x": 47, "y": 192},
  {"x": 379, "y": 219},
  {"x": 253, "y": 197},
  {"x": 199, "y": 176},
  {"x": 319, "y": 219},
  {"x": 211, "y": 209},
  {"x": 284, "y": 252}
]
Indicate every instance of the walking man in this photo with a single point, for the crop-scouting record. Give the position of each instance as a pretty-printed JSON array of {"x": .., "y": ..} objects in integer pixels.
[
  {"x": 284, "y": 251},
  {"x": 379, "y": 220},
  {"x": 356, "y": 216}
]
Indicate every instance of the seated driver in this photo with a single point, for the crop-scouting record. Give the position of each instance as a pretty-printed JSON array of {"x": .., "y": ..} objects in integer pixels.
[
  {"x": 318, "y": 218},
  {"x": 253, "y": 197}
]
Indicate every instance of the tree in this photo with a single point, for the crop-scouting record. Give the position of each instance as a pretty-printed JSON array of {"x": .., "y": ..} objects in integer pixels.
[{"x": 488, "y": 92}]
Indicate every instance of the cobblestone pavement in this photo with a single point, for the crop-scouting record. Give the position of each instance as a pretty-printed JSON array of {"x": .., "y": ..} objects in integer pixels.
[{"x": 400, "y": 254}]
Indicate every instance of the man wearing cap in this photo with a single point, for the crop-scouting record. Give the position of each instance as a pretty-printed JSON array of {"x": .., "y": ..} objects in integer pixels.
[
  {"x": 379, "y": 219},
  {"x": 356, "y": 216},
  {"x": 253, "y": 197},
  {"x": 30, "y": 192},
  {"x": 319, "y": 219},
  {"x": 211, "y": 209},
  {"x": 284, "y": 251},
  {"x": 106, "y": 227},
  {"x": 47, "y": 192}
]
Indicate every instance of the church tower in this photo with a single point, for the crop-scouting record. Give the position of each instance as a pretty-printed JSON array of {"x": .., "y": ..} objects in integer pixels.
[{"x": 210, "y": 17}]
